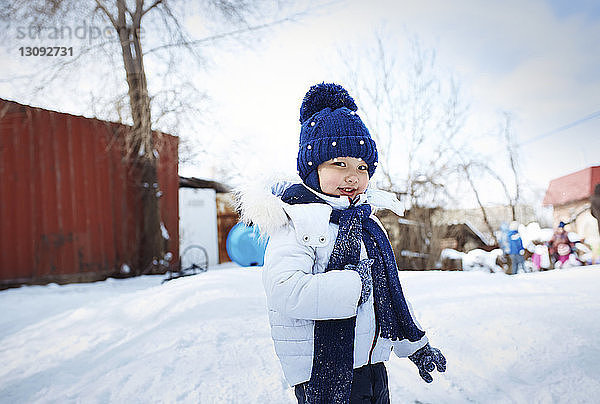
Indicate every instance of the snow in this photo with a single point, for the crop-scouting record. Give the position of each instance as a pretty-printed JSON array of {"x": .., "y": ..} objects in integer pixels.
[
  {"x": 527, "y": 338},
  {"x": 164, "y": 231},
  {"x": 482, "y": 260},
  {"x": 449, "y": 253},
  {"x": 533, "y": 232},
  {"x": 475, "y": 260}
]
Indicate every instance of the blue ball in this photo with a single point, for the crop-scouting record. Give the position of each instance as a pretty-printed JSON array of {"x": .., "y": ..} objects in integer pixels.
[{"x": 244, "y": 247}]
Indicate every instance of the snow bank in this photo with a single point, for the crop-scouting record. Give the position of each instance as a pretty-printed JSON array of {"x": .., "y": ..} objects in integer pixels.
[
  {"x": 475, "y": 260},
  {"x": 532, "y": 232},
  {"x": 528, "y": 338}
]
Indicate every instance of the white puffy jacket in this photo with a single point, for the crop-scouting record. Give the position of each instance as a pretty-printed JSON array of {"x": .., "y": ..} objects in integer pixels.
[{"x": 298, "y": 290}]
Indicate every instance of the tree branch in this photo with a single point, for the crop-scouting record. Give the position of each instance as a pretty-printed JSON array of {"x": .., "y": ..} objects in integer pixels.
[
  {"x": 155, "y": 4},
  {"x": 100, "y": 6}
]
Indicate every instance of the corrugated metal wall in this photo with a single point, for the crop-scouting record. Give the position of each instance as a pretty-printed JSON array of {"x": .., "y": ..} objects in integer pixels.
[{"x": 69, "y": 203}]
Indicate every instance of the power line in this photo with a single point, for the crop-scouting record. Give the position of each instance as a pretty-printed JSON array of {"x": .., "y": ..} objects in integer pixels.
[{"x": 562, "y": 128}]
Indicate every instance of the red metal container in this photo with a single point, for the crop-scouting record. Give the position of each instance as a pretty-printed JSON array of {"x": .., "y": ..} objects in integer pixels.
[{"x": 69, "y": 199}]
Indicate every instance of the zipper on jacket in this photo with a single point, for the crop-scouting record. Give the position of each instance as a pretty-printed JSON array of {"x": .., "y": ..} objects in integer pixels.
[{"x": 374, "y": 339}]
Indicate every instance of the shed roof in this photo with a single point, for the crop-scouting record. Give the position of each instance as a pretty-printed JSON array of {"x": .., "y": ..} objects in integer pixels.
[
  {"x": 453, "y": 229},
  {"x": 572, "y": 187},
  {"x": 193, "y": 182}
]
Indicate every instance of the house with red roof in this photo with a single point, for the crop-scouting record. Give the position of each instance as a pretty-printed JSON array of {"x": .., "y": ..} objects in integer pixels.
[{"x": 569, "y": 197}]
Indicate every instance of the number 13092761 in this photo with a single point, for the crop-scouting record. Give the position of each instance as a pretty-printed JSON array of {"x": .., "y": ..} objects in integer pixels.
[{"x": 46, "y": 51}]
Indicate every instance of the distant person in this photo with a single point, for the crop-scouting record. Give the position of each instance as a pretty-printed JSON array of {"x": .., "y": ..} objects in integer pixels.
[
  {"x": 515, "y": 249},
  {"x": 335, "y": 301},
  {"x": 504, "y": 259},
  {"x": 559, "y": 246},
  {"x": 595, "y": 208},
  {"x": 540, "y": 258},
  {"x": 595, "y": 200},
  {"x": 503, "y": 238}
]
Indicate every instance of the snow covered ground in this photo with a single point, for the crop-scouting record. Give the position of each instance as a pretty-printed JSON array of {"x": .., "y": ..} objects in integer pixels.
[{"x": 529, "y": 338}]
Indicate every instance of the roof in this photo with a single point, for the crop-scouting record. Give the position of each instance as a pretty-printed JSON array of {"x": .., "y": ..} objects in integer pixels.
[
  {"x": 573, "y": 187},
  {"x": 193, "y": 182},
  {"x": 7, "y": 106},
  {"x": 10, "y": 105},
  {"x": 453, "y": 229}
]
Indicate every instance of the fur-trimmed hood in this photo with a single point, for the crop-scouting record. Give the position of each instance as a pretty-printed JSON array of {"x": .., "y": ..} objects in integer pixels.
[{"x": 260, "y": 203}]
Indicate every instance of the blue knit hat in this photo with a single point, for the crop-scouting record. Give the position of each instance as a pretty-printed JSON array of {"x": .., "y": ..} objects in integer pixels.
[{"x": 331, "y": 128}]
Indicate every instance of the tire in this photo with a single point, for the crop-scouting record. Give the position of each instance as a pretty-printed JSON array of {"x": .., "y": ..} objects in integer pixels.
[{"x": 194, "y": 259}]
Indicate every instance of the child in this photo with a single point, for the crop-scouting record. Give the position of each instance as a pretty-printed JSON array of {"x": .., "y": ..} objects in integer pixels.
[
  {"x": 335, "y": 303},
  {"x": 516, "y": 249},
  {"x": 559, "y": 246}
]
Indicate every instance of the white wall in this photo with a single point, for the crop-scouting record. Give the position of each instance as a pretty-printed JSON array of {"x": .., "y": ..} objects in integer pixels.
[{"x": 198, "y": 221}]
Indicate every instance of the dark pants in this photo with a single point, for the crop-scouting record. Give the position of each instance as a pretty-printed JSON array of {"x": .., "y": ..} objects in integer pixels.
[{"x": 369, "y": 386}]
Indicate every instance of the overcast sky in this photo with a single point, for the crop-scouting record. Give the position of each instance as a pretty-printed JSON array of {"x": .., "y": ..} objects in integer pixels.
[{"x": 537, "y": 59}]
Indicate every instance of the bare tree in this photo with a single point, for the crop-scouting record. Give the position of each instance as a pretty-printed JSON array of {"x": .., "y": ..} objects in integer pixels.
[
  {"x": 129, "y": 21},
  {"x": 512, "y": 160},
  {"x": 468, "y": 170},
  {"x": 414, "y": 113},
  {"x": 478, "y": 168}
]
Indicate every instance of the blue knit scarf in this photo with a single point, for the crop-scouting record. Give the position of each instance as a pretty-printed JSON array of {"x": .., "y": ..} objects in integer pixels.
[{"x": 333, "y": 356}]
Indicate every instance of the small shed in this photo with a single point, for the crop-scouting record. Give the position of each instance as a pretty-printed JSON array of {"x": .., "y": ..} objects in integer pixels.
[
  {"x": 410, "y": 237},
  {"x": 462, "y": 237},
  {"x": 70, "y": 204},
  {"x": 204, "y": 218}
]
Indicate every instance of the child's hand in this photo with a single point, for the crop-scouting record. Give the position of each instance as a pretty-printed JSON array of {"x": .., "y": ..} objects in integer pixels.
[
  {"x": 364, "y": 270},
  {"x": 427, "y": 359}
]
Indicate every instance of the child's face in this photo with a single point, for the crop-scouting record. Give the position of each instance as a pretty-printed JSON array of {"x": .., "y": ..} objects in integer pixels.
[{"x": 346, "y": 176}]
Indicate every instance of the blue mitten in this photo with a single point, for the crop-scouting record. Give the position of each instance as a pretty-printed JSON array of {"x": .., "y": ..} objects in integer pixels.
[
  {"x": 364, "y": 270},
  {"x": 427, "y": 359}
]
